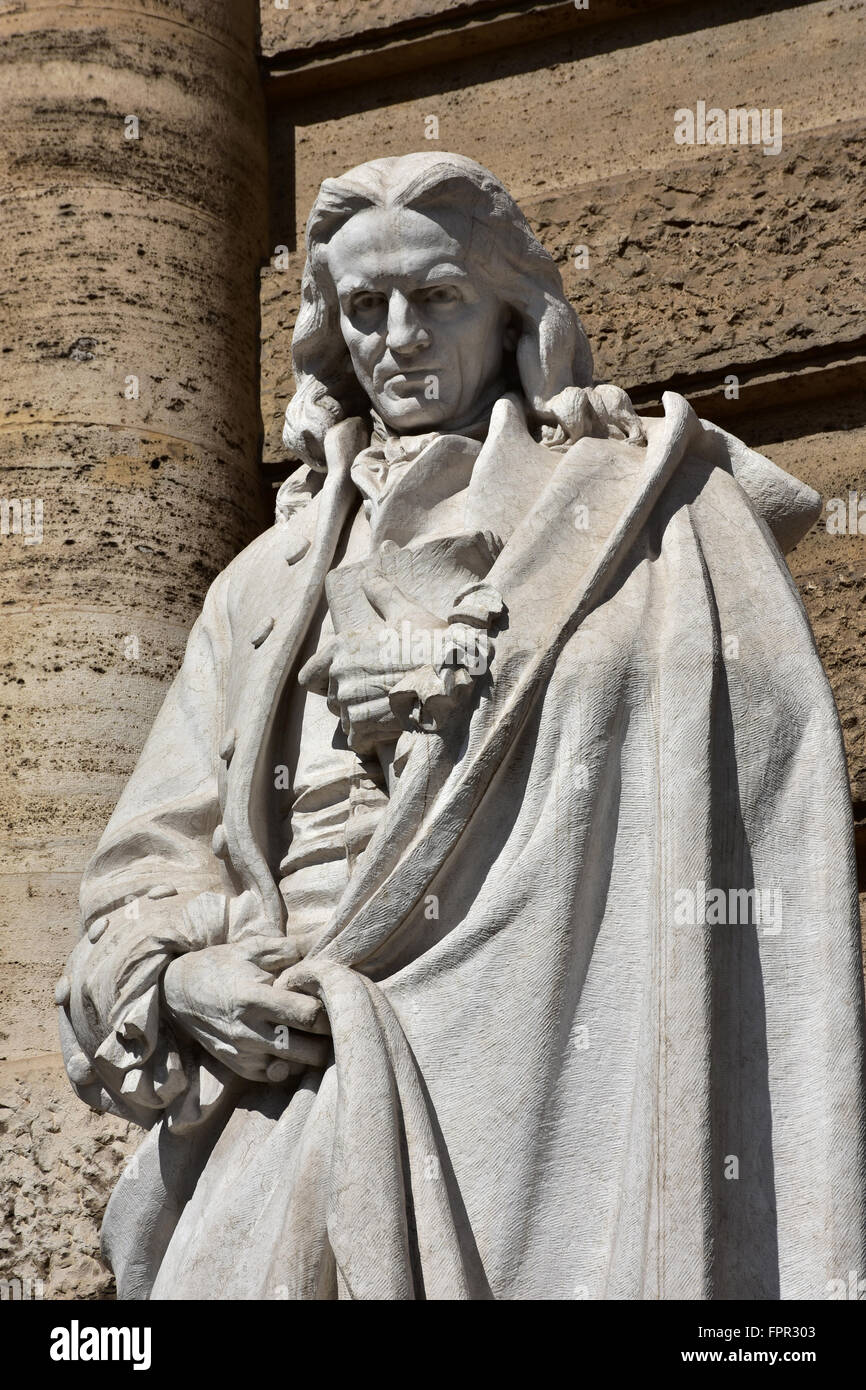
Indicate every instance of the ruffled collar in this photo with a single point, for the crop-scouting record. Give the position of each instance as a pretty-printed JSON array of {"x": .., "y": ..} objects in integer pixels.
[
  {"x": 391, "y": 447},
  {"x": 389, "y": 454}
]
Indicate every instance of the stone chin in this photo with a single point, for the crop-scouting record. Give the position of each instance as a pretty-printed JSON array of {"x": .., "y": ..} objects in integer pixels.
[{"x": 408, "y": 414}]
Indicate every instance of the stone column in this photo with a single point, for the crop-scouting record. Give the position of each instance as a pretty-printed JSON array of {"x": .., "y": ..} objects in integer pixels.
[{"x": 132, "y": 227}]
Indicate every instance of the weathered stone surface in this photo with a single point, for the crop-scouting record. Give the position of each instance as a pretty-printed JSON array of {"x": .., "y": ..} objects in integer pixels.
[
  {"x": 289, "y": 26},
  {"x": 137, "y": 257},
  {"x": 127, "y": 519},
  {"x": 353, "y": 40},
  {"x": 117, "y": 225},
  {"x": 830, "y": 570},
  {"x": 38, "y": 928},
  {"x": 54, "y": 804},
  {"x": 60, "y": 1162},
  {"x": 122, "y": 258},
  {"x": 730, "y": 262},
  {"x": 580, "y": 108}
]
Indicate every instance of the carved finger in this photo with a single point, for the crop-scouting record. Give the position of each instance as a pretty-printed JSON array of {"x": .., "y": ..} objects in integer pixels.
[
  {"x": 357, "y": 687},
  {"x": 270, "y": 953},
  {"x": 303, "y": 1048},
  {"x": 315, "y": 673},
  {"x": 286, "y": 1008},
  {"x": 273, "y": 1038},
  {"x": 245, "y": 1055},
  {"x": 280, "y": 1070},
  {"x": 370, "y": 724},
  {"x": 251, "y": 1069}
]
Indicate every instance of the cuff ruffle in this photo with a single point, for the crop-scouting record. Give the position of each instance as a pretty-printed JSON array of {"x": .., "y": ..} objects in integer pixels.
[{"x": 121, "y": 1053}]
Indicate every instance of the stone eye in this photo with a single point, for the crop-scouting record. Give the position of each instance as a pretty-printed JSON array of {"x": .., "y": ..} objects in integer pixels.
[
  {"x": 441, "y": 294},
  {"x": 366, "y": 301}
]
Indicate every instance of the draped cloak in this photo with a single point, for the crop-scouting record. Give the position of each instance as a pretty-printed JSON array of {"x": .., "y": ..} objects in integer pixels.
[{"x": 550, "y": 1079}]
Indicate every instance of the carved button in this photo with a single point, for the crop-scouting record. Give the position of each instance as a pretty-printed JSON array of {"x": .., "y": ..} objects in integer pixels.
[
  {"x": 96, "y": 928},
  {"x": 263, "y": 633},
  {"x": 277, "y": 1070},
  {"x": 162, "y": 890},
  {"x": 220, "y": 842},
  {"x": 297, "y": 552},
  {"x": 79, "y": 1070},
  {"x": 227, "y": 747},
  {"x": 62, "y": 991}
]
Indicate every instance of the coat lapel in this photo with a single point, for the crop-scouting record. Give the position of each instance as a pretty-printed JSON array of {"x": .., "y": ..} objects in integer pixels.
[{"x": 287, "y": 586}]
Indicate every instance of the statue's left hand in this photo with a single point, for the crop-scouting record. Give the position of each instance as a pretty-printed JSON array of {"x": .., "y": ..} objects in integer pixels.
[
  {"x": 231, "y": 1007},
  {"x": 358, "y": 670}
]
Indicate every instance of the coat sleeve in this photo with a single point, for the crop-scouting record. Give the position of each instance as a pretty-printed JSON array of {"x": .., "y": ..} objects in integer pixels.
[{"x": 151, "y": 892}]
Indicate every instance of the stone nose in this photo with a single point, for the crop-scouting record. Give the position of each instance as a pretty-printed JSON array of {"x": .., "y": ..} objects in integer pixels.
[{"x": 406, "y": 334}]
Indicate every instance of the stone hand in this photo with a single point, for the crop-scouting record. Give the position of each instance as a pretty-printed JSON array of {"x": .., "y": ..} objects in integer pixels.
[
  {"x": 221, "y": 998},
  {"x": 358, "y": 670}
]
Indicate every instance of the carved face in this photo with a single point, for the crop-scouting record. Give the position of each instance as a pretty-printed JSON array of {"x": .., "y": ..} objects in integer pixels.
[{"x": 424, "y": 331}]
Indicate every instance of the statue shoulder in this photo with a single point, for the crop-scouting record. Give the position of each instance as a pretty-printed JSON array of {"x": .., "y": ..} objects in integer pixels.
[
  {"x": 292, "y": 530},
  {"x": 269, "y": 565}
]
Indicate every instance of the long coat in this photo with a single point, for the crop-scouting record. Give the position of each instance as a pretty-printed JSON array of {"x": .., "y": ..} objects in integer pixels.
[{"x": 558, "y": 1073}]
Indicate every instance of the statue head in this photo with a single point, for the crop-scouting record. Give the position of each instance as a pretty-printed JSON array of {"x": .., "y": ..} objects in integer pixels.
[{"x": 425, "y": 295}]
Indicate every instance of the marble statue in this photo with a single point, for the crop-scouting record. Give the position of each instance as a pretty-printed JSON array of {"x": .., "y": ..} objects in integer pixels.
[{"x": 480, "y": 921}]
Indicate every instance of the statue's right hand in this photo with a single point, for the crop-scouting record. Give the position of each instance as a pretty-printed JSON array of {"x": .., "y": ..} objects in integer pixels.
[{"x": 224, "y": 1001}]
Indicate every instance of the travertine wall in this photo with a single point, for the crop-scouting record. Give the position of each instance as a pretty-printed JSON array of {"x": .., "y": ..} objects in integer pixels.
[
  {"x": 140, "y": 258},
  {"x": 122, "y": 258}
]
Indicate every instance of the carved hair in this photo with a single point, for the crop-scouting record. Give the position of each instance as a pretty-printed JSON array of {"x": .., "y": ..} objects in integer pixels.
[{"x": 552, "y": 352}]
